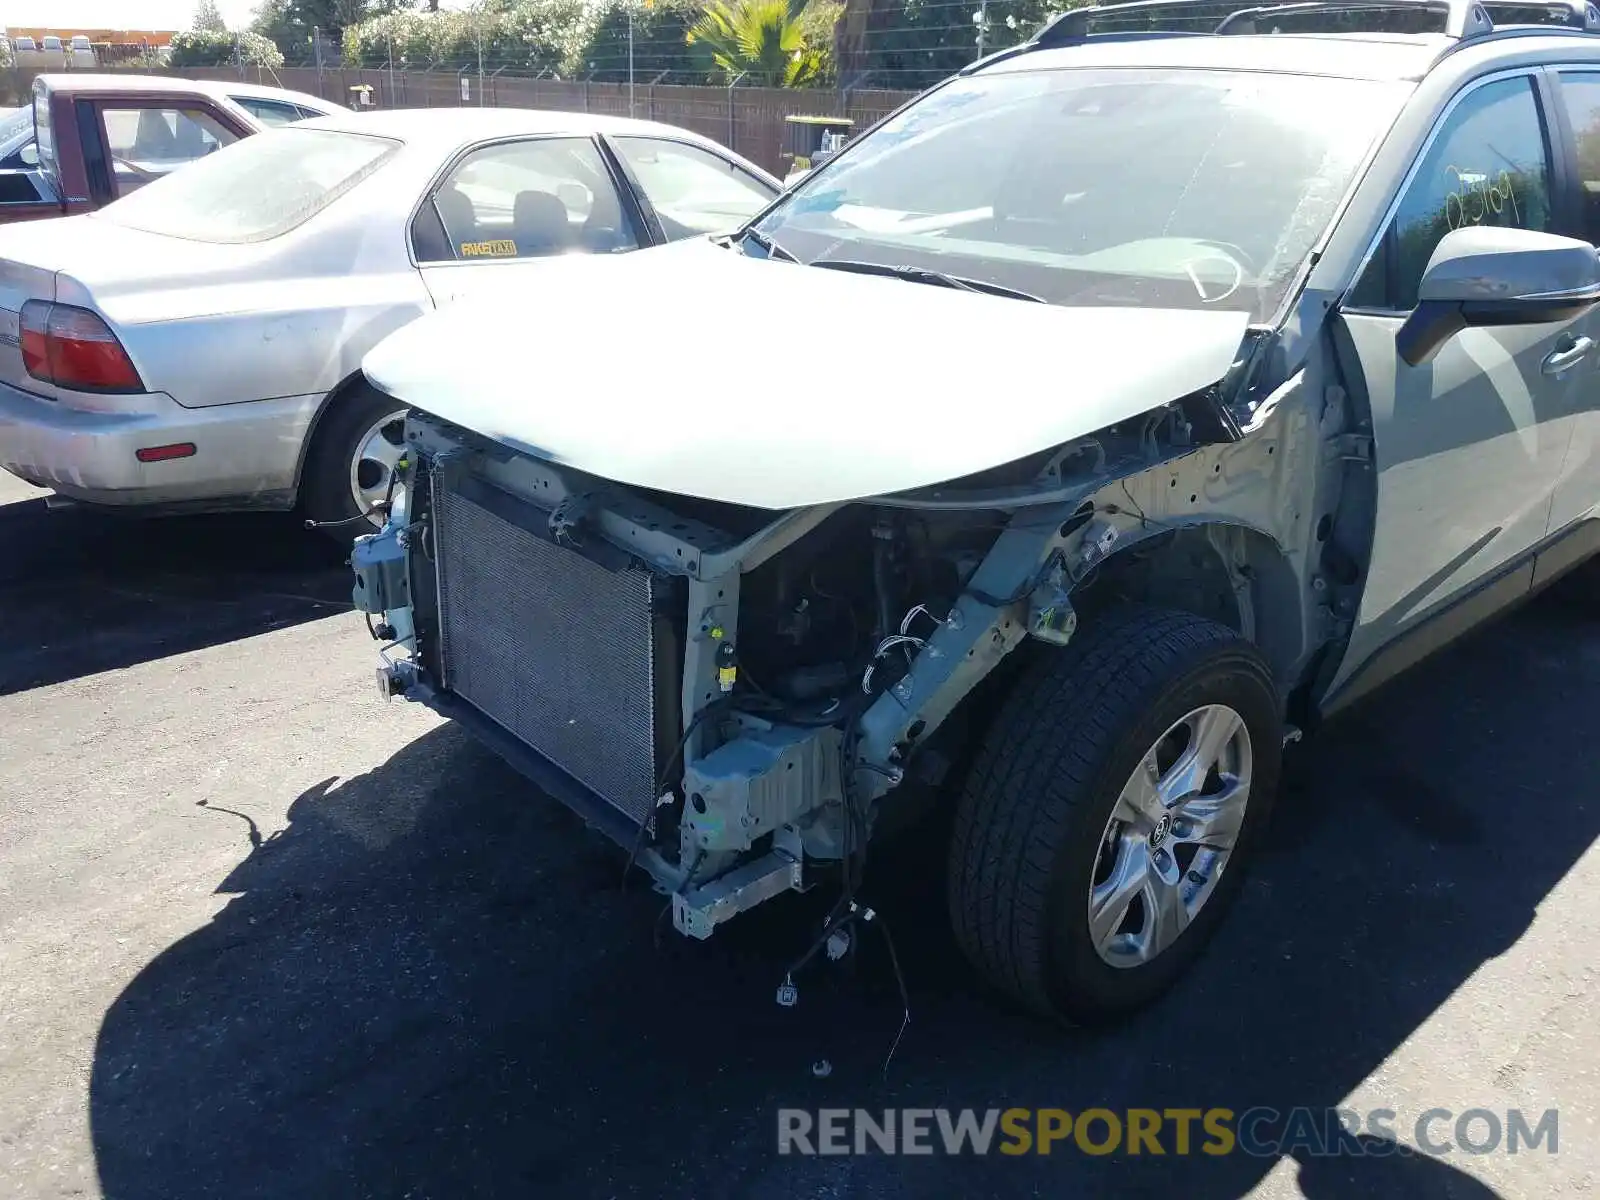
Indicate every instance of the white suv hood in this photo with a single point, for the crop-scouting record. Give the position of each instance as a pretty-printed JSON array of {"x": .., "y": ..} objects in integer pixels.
[{"x": 693, "y": 369}]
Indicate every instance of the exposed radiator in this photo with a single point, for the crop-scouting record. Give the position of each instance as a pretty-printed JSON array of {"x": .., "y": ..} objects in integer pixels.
[{"x": 553, "y": 647}]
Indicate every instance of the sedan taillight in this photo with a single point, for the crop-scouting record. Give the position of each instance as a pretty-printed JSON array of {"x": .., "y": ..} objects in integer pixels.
[{"x": 74, "y": 348}]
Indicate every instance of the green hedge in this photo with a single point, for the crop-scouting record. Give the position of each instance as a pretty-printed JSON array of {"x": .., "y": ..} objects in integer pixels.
[{"x": 204, "y": 48}]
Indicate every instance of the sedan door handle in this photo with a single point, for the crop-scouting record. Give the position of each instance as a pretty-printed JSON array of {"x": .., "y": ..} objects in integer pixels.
[{"x": 1558, "y": 361}]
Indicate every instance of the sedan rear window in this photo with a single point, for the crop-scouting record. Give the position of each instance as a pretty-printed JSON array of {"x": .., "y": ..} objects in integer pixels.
[{"x": 260, "y": 187}]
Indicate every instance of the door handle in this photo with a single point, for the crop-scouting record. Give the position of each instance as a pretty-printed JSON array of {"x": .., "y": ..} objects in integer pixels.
[{"x": 1558, "y": 361}]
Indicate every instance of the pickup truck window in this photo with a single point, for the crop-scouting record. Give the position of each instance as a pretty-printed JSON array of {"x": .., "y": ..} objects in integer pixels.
[
  {"x": 263, "y": 187},
  {"x": 147, "y": 143}
]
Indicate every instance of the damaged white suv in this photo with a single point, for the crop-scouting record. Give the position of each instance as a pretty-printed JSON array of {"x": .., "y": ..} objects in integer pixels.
[{"x": 1056, "y": 451}]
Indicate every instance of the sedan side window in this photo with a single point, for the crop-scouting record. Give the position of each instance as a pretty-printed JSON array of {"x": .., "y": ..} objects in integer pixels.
[
  {"x": 147, "y": 143},
  {"x": 269, "y": 112},
  {"x": 524, "y": 199},
  {"x": 692, "y": 190},
  {"x": 1489, "y": 165}
]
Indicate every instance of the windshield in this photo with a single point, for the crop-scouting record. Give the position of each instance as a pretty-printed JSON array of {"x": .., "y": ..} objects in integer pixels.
[
  {"x": 260, "y": 187},
  {"x": 16, "y": 127},
  {"x": 43, "y": 136},
  {"x": 1150, "y": 188}
]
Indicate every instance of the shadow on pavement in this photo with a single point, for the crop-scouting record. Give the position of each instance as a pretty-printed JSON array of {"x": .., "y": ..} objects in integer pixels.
[
  {"x": 430, "y": 986},
  {"x": 85, "y": 592}
]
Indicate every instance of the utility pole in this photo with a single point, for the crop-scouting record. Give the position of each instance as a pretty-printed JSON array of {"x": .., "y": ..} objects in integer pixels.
[
  {"x": 630, "y": 58},
  {"x": 392, "y": 103},
  {"x": 477, "y": 28},
  {"x": 981, "y": 19}
]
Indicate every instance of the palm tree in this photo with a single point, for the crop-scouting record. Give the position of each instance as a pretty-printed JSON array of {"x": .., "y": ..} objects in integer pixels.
[{"x": 762, "y": 40}]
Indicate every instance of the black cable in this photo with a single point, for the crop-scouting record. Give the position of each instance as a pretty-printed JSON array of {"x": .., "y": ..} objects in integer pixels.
[
  {"x": 699, "y": 718},
  {"x": 681, "y": 889},
  {"x": 905, "y": 995}
]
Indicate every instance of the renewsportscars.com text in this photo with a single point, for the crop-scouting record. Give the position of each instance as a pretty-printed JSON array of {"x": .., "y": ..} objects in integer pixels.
[{"x": 1264, "y": 1132}]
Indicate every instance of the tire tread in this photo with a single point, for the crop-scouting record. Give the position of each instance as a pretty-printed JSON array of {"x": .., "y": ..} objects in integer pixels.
[{"x": 1038, "y": 763}]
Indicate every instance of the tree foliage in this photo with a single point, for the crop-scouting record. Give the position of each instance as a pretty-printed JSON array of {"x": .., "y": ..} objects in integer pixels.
[
  {"x": 290, "y": 22},
  {"x": 914, "y": 43},
  {"x": 527, "y": 36},
  {"x": 761, "y": 42},
  {"x": 660, "y": 42},
  {"x": 784, "y": 43},
  {"x": 207, "y": 48},
  {"x": 208, "y": 18}
]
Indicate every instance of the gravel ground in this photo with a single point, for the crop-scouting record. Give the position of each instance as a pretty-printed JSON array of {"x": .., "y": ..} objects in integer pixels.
[{"x": 263, "y": 935}]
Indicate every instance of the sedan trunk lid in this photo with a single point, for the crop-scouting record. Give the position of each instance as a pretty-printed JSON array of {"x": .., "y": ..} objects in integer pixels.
[{"x": 95, "y": 263}]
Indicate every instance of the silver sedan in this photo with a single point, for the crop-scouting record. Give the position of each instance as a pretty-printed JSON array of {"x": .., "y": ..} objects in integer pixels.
[{"x": 198, "y": 344}]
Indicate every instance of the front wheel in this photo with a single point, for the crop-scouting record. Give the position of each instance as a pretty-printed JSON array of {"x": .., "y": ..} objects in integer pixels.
[
  {"x": 352, "y": 463},
  {"x": 1108, "y": 815}
]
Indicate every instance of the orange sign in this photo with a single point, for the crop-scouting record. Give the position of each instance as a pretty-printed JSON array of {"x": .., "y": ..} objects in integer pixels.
[{"x": 152, "y": 37}]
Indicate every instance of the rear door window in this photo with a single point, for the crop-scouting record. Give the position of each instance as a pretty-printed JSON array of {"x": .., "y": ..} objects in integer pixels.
[
  {"x": 1580, "y": 95},
  {"x": 525, "y": 199}
]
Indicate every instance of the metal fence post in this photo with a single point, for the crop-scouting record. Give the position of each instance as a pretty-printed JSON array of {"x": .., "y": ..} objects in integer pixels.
[{"x": 733, "y": 127}]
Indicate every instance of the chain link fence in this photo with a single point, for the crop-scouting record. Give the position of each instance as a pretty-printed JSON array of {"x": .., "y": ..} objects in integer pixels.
[{"x": 749, "y": 120}]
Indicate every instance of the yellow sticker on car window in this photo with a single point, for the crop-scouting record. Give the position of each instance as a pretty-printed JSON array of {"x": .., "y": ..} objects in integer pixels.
[{"x": 502, "y": 248}]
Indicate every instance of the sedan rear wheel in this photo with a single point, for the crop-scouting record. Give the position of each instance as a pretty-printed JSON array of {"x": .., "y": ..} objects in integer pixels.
[
  {"x": 352, "y": 463},
  {"x": 377, "y": 457}
]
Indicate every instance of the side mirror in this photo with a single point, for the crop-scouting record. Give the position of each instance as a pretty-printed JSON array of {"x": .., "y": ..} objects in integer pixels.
[
  {"x": 29, "y": 155},
  {"x": 1481, "y": 275}
]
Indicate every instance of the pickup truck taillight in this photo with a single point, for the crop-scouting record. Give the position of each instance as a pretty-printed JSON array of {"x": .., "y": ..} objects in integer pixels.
[{"x": 74, "y": 348}]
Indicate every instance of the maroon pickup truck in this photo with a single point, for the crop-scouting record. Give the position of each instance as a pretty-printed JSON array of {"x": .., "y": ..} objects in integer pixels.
[{"x": 88, "y": 139}]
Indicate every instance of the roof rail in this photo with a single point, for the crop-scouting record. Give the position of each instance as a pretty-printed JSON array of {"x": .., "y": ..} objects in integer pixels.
[
  {"x": 1462, "y": 19},
  {"x": 1192, "y": 16},
  {"x": 1576, "y": 14},
  {"x": 1129, "y": 20}
]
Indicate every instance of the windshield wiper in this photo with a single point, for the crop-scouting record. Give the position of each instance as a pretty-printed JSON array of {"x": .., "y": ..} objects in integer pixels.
[
  {"x": 771, "y": 247},
  {"x": 925, "y": 275}
]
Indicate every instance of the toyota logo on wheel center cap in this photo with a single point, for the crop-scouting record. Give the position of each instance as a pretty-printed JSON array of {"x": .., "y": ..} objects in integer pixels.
[{"x": 1159, "y": 833}]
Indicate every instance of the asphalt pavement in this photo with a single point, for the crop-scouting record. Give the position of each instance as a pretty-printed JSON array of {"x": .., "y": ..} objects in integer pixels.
[{"x": 262, "y": 934}]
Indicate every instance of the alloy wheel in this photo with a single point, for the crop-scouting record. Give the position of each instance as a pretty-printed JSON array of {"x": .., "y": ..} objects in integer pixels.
[
  {"x": 1170, "y": 836},
  {"x": 375, "y": 461}
]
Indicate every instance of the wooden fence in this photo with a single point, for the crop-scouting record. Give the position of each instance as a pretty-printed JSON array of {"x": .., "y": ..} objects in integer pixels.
[{"x": 749, "y": 120}]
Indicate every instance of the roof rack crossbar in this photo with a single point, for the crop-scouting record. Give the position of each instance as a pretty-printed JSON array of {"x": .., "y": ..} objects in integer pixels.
[
  {"x": 1073, "y": 25},
  {"x": 1575, "y": 14},
  {"x": 1463, "y": 20}
]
